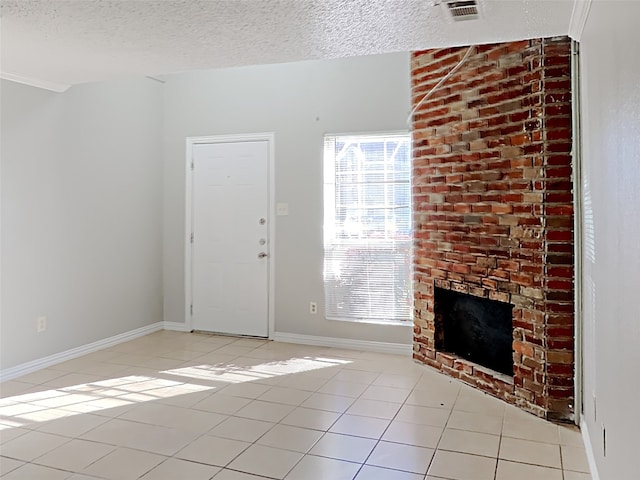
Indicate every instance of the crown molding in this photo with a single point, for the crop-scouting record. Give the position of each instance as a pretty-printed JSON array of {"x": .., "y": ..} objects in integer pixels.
[
  {"x": 35, "y": 82},
  {"x": 579, "y": 18}
]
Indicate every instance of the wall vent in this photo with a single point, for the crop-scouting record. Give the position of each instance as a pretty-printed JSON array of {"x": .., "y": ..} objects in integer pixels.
[{"x": 461, "y": 10}]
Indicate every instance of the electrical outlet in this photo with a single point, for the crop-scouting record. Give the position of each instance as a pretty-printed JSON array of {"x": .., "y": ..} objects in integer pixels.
[
  {"x": 313, "y": 308},
  {"x": 282, "y": 209},
  {"x": 41, "y": 324}
]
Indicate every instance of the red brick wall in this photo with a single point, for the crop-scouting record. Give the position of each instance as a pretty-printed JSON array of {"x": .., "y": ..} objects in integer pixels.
[{"x": 493, "y": 208}]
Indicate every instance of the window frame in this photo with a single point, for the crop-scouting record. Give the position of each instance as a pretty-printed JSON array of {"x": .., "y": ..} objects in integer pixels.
[{"x": 330, "y": 215}]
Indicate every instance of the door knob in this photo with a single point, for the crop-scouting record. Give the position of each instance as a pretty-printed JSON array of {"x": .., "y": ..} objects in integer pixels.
[{"x": 263, "y": 255}]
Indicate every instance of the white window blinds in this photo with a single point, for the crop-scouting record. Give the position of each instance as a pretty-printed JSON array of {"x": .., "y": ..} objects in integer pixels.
[{"x": 367, "y": 227}]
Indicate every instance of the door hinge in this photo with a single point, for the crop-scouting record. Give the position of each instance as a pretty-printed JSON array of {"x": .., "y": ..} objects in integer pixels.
[
  {"x": 192, "y": 166},
  {"x": 191, "y": 309},
  {"x": 191, "y": 237}
]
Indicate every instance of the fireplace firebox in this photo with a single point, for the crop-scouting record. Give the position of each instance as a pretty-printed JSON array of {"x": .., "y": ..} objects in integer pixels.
[{"x": 477, "y": 329}]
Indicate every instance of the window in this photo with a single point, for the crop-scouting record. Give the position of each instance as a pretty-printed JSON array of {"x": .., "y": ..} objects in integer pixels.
[{"x": 367, "y": 227}]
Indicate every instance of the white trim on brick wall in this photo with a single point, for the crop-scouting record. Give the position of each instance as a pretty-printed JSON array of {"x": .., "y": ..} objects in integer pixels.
[
  {"x": 381, "y": 347},
  {"x": 32, "y": 366}
]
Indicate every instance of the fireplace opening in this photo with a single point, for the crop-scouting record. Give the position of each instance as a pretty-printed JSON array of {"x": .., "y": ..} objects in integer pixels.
[{"x": 477, "y": 329}]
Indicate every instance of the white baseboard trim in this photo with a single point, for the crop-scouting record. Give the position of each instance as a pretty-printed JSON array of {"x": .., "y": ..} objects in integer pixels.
[
  {"x": 381, "y": 347},
  {"x": 176, "y": 326},
  {"x": 32, "y": 366},
  {"x": 586, "y": 439}
]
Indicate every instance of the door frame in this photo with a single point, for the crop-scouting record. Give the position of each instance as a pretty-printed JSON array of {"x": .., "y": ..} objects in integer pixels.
[{"x": 269, "y": 137}]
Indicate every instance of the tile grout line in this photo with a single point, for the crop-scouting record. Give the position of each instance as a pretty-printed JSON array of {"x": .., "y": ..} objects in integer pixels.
[
  {"x": 495, "y": 473},
  {"x": 327, "y": 429},
  {"x": 435, "y": 451}
]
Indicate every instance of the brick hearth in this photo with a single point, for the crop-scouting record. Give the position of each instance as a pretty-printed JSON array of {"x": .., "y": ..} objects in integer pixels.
[{"x": 493, "y": 209}]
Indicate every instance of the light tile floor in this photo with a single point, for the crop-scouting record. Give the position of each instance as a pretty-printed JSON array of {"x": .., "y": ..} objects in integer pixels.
[{"x": 173, "y": 406}]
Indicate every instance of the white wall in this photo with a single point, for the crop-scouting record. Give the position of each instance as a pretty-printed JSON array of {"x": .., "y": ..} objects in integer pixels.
[
  {"x": 610, "y": 73},
  {"x": 81, "y": 214},
  {"x": 300, "y": 102}
]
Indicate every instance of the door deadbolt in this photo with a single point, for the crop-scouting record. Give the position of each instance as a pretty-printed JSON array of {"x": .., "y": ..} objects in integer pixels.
[
  {"x": 262, "y": 241},
  {"x": 263, "y": 221}
]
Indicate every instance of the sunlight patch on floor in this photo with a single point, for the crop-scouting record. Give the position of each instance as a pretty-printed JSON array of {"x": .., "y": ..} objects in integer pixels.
[
  {"x": 55, "y": 403},
  {"x": 230, "y": 373}
]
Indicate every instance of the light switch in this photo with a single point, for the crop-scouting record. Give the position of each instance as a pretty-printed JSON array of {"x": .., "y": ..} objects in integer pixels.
[{"x": 282, "y": 209}]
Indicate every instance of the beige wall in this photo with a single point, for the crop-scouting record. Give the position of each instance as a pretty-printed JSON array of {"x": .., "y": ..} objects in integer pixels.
[
  {"x": 299, "y": 102},
  {"x": 81, "y": 215},
  {"x": 610, "y": 96}
]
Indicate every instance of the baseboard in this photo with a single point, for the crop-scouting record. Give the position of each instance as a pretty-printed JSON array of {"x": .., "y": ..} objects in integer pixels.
[
  {"x": 176, "y": 326},
  {"x": 34, "y": 365},
  {"x": 29, "y": 367},
  {"x": 381, "y": 347},
  {"x": 586, "y": 439}
]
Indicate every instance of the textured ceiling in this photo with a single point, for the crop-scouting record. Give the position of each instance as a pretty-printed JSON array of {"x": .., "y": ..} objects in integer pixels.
[{"x": 57, "y": 43}]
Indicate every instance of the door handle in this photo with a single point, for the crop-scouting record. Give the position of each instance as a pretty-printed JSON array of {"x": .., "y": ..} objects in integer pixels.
[{"x": 263, "y": 255}]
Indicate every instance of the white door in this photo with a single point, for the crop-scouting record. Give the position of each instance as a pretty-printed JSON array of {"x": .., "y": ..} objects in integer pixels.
[{"x": 230, "y": 222}]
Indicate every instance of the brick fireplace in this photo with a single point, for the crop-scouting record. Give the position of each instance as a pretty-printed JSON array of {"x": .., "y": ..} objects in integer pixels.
[{"x": 493, "y": 212}]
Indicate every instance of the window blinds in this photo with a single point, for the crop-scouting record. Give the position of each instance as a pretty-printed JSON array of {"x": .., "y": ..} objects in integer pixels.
[{"x": 367, "y": 227}]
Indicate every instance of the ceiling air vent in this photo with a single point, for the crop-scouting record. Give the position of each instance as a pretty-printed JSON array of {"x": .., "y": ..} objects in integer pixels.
[{"x": 461, "y": 10}]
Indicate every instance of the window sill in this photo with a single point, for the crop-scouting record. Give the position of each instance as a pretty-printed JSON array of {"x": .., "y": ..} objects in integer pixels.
[{"x": 392, "y": 323}]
